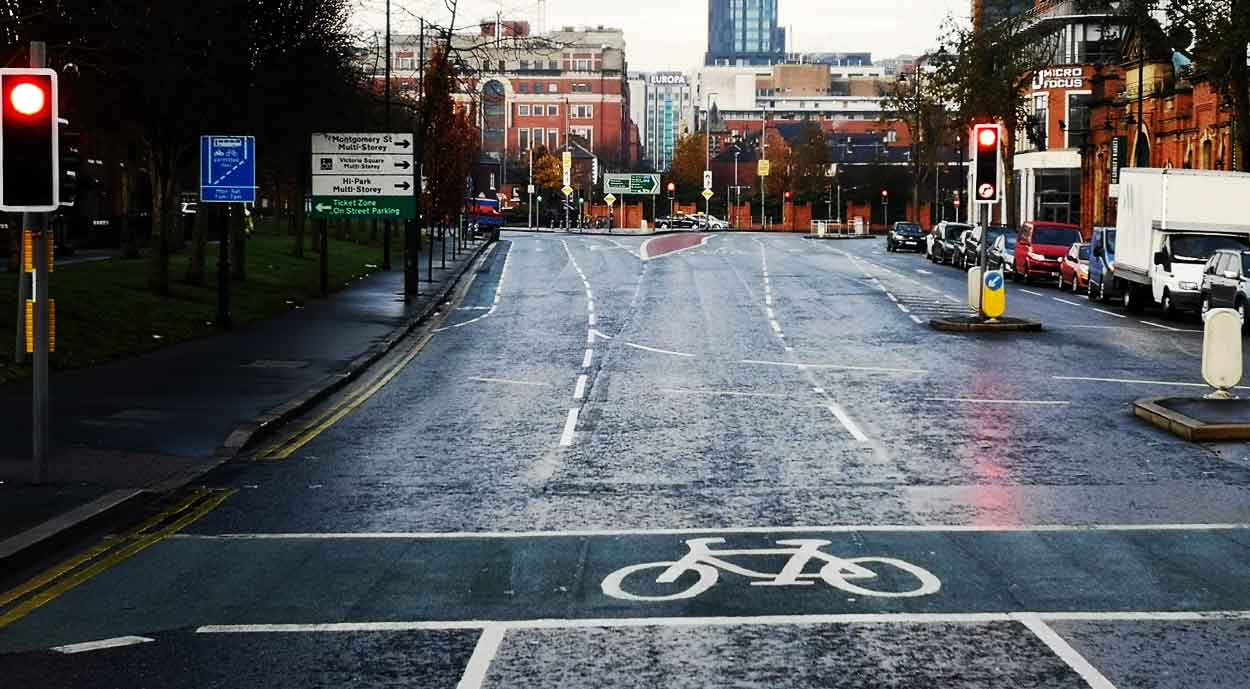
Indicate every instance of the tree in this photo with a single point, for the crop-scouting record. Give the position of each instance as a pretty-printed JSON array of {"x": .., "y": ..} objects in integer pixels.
[
  {"x": 689, "y": 161},
  {"x": 811, "y": 163},
  {"x": 780, "y": 158},
  {"x": 917, "y": 99},
  {"x": 988, "y": 75},
  {"x": 548, "y": 171}
]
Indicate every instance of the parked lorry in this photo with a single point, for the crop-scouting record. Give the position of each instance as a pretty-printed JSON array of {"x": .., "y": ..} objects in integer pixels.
[{"x": 1169, "y": 224}]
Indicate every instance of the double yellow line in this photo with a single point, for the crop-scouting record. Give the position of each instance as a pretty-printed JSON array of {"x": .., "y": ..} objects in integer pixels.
[
  {"x": 291, "y": 444},
  {"x": 67, "y": 575}
]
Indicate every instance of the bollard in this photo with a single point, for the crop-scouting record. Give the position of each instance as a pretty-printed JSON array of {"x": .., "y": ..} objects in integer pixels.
[
  {"x": 1221, "y": 352},
  {"x": 974, "y": 289}
]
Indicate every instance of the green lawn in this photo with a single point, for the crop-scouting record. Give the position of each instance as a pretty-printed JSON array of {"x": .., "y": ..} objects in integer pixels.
[{"x": 104, "y": 310}]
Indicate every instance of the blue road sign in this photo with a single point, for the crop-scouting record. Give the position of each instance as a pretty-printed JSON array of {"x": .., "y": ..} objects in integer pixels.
[
  {"x": 228, "y": 169},
  {"x": 994, "y": 280}
]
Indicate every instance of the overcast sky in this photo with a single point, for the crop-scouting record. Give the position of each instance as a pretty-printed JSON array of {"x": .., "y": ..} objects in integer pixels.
[{"x": 672, "y": 34}]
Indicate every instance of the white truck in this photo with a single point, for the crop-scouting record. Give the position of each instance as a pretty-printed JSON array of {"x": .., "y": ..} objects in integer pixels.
[{"x": 1169, "y": 224}]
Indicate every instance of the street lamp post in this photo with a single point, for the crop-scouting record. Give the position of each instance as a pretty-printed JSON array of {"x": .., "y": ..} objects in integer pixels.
[
  {"x": 707, "y": 134},
  {"x": 885, "y": 204},
  {"x": 737, "y": 191},
  {"x": 672, "y": 190}
]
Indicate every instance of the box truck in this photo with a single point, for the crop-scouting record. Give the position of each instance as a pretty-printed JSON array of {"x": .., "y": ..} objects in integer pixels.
[{"x": 1169, "y": 224}]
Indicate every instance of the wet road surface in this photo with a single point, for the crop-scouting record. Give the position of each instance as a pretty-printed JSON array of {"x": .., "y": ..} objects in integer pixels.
[{"x": 544, "y": 494}]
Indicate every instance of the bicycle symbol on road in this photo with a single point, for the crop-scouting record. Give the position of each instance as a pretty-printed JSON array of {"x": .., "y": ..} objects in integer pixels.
[{"x": 838, "y": 572}]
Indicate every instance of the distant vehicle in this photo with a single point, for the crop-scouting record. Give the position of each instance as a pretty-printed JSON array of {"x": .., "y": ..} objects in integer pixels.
[
  {"x": 713, "y": 223},
  {"x": 677, "y": 222},
  {"x": 944, "y": 240},
  {"x": 1041, "y": 247},
  {"x": 1003, "y": 254},
  {"x": 1169, "y": 223},
  {"x": 905, "y": 236},
  {"x": 1102, "y": 282},
  {"x": 1074, "y": 270},
  {"x": 970, "y": 249},
  {"x": 484, "y": 215},
  {"x": 1226, "y": 283}
]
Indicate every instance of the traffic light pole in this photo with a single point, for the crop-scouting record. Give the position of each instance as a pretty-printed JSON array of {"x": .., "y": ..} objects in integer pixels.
[{"x": 38, "y": 225}]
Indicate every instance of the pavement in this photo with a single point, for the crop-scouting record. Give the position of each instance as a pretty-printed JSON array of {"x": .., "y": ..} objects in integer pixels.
[
  {"x": 155, "y": 422},
  {"x": 690, "y": 461}
]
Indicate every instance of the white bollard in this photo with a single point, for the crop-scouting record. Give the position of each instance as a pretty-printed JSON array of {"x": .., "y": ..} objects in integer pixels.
[
  {"x": 974, "y": 289},
  {"x": 1221, "y": 352}
]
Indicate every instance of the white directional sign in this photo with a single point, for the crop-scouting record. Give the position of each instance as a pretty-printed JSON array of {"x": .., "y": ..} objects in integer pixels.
[
  {"x": 363, "y": 185},
  {"x": 368, "y": 175},
  {"x": 394, "y": 144},
  {"x": 707, "y": 179}
]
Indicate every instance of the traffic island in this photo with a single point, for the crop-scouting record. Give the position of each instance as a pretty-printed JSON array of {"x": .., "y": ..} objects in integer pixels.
[
  {"x": 977, "y": 324},
  {"x": 1198, "y": 419}
]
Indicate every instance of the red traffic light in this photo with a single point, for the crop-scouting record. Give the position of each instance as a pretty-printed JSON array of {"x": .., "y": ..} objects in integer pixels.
[
  {"x": 672, "y": 187},
  {"x": 787, "y": 195},
  {"x": 885, "y": 193},
  {"x": 28, "y": 99},
  {"x": 988, "y": 137}
]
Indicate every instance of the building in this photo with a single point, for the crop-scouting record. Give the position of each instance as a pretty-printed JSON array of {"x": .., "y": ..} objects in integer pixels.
[
  {"x": 744, "y": 33},
  {"x": 665, "y": 112},
  {"x": 990, "y": 12}
]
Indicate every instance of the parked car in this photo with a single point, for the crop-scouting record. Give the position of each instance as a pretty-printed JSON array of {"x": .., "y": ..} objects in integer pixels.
[
  {"x": 1226, "y": 282},
  {"x": 970, "y": 247},
  {"x": 1003, "y": 254},
  {"x": 1041, "y": 248},
  {"x": 1102, "y": 282},
  {"x": 944, "y": 241},
  {"x": 905, "y": 236},
  {"x": 1074, "y": 270},
  {"x": 714, "y": 223},
  {"x": 677, "y": 222}
]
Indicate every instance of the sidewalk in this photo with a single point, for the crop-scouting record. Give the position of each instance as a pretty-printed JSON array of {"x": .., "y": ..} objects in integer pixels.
[{"x": 157, "y": 421}]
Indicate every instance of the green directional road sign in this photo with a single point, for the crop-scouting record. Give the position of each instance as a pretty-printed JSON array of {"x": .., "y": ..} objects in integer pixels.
[
  {"x": 393, "y": 207},
  {"x": 631, "y": 184}
]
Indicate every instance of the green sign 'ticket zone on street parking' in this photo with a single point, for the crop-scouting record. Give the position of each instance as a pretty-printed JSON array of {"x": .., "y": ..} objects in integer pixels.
[
  {"x": 393, "y": 207},
  {"x": 631, "y": 184}
]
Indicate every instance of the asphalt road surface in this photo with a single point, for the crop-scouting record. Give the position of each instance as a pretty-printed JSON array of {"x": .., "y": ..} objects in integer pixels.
[{"x": 700, "y": 461}]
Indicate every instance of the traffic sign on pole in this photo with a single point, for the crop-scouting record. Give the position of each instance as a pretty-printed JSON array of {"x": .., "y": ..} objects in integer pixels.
[
  {"x": 364, "y": 175},
  {"x": 708, "y": 194},
  {"x": 707, "y": 179},
  {"x": 610, "y": 200},
  {"x": 765, "y": 167},
  {"x": 228, "y": 169},
  {"x": 568, "y": 191},
  {"x": 645, "y": 184}
]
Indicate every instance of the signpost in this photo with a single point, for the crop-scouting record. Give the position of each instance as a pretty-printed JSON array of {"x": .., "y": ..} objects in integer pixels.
[
  {"x": 227, "y": 175},
  {"x": 363, "y": 175},
  {"x": 708, "y": 194},
  {"x": 610, "y": 200},
  {"x": 647, "y": 185}
]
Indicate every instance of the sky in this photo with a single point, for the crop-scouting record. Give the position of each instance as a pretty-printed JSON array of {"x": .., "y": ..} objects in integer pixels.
[{"x": 672, "y": 34}]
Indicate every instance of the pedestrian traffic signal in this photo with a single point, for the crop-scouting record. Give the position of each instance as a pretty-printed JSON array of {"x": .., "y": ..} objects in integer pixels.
[
  {"x": 29, "y": 167},
  {"x": 70, "y": 162},
  {"x": 988, "y": 138}
]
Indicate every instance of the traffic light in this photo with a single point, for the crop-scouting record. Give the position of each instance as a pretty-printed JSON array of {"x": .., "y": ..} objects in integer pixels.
[
  {"x": 70, "y": 162},
  {"x": 29, "y": 165},
  {"x": 987, "y": 138}
]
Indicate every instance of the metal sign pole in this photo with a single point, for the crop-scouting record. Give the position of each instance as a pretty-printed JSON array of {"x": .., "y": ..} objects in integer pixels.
[{"x": 42, "y": 321}]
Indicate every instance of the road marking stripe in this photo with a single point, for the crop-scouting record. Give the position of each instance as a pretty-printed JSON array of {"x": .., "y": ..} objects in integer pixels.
[
  {"x": 483, "y": 655},
  {"x": 1111, "y": 313},
  {"x": 118, "y": 642},
  {"x": 597, "y": 333},
  {"x": 863, "y": 528},
  {"x": 570, "y": 426},
  {"x": 917, "y": 320},
  {"x": 892, "y": 297},
  {"x": 1029, "y": 291},
  {"x": 590, "y": 354},
  {"x": 818, "y": 391},
  {"x": 835, "y": 367},
  {"x": 1094, "y": 327},
  {"x": 1170, "y": 328},
  {"x": 506, "y": 381},
  {"x": 767, "y": 620},
  {"x": 1130, "y": 381},
  {"x": 923, "y": 272},
  {"x": 904, "y": 309},
  {"x": 580, "y": 392},
  {"x": 1067, "y": 301},
  {"x": 593, "y": 320},
  {"x": 970, "y": 400},
  {"x": 849, "y": 424},
  {"x": 723, "y": 393},
  {"x": 1064, "y": 650},
  {"x": 657, "y": 350}
]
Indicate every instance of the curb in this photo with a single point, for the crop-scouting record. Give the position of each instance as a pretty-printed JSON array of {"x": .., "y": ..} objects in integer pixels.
[
  {"x": 595, "y": 233},
  {"x": 974, "y": 326},
  {"x": 43, "y": 539},
  {"x": 1153, "y": 411},
  {"x": 841, "y": 239}
]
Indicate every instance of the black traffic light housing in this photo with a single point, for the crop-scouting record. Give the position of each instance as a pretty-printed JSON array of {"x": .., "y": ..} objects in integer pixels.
[
  {"x": 29, "y": 147},
  {"x": 987, "y": 140},
  {"x": 70, "y": 163}
]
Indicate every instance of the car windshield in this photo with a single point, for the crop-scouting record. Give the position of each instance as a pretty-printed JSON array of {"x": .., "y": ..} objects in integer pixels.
[
  {"x": 1083, "y": 253},
  {"x": 1197, "y": 248},
  {"x": 953, "y": 231},
  {"x": 1056, "y": 236},
  {"x": 908, "y": 230},
  {"x": 1009, "y": 241}
]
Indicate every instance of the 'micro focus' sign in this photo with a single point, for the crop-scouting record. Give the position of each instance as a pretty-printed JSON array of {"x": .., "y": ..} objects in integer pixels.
[{"x": 1059, "y": 78}]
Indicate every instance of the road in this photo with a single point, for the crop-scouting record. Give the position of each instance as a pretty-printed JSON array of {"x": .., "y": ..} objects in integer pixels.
[{"x": 506, "y": 502}]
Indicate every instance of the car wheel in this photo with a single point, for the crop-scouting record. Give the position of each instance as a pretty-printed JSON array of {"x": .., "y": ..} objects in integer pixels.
[{"x": 1169, "y": 307}]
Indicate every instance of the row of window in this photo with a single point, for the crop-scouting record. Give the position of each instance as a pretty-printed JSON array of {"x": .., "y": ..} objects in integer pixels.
[
  {"x": 577, "y": 112},
  {"x": 550, "y": 138},
  {"x": 552, "y": 87}
]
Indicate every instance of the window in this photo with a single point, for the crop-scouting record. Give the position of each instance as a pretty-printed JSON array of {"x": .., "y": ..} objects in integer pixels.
[
  {"x": 553, "y": 87},
  {"x": 525, "y": 87},
  {"x": 1078, "y": 119},
  {"x": 523, "y": 110},
  {"x": 525, "y": 64},
  {"x": 553, "y": 64},
  {"x": 582, "y": 112},
  {"x": 583, "y": 65},
  {"x": 538, "y": 138},
  {"x": 553, "y": 138},
  {"x": 553, "y": 111},
  {"x": 581, "y": 88},
  {"x": 503, "y": 65},
  {"x": 587, "y": 133},
  {"x": 523, "y": 139}
]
